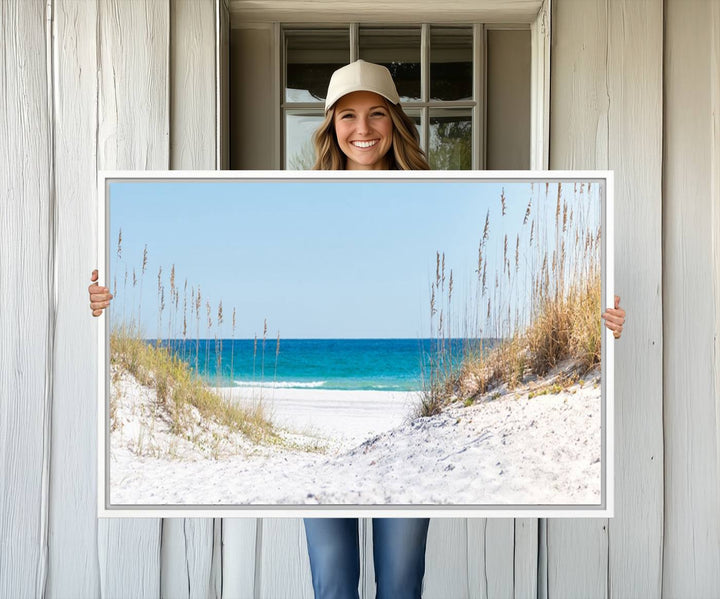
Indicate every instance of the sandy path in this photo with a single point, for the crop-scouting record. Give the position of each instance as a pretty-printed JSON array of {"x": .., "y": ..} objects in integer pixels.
[{"x": 512, "y": 450}]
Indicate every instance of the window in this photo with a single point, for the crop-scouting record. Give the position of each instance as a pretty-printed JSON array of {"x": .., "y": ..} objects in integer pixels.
[
  {"x": 435, "y": 68},
  {"x": 468, "y": 88}
]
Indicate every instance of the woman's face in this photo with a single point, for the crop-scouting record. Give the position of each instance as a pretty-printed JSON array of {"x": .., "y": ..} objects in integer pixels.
[{"x": 364, "y": 130}]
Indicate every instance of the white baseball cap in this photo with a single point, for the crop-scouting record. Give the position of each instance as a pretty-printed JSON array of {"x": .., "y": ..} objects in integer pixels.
[{"x": 361, "y": 76}]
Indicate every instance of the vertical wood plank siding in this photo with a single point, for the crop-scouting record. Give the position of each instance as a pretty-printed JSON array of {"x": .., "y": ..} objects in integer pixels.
[
  {"x": 132, "y": 134},
  {"x": 447, "y": 558},
  {"x": 577, "y": 550},
  {"x": 635, "y": 90},
  {"x": 26, "y": 303},
  {"x": 607, "y": 113},
  {"x": 187, "y": 556},
  {"x": 133, "y": 85},
  {"x": 73, "y": 551},
  {"x": 692, "y": 438},
  {"x": 239, "y": 557},
  {"x": 282, "y": 566}
]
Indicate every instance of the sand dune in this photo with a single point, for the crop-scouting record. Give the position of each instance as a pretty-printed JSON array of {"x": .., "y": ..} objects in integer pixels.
[{"x": 509, "y": 450}]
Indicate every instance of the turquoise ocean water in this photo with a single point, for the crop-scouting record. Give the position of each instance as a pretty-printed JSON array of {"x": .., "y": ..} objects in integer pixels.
[{"x": 352, "y": 364}]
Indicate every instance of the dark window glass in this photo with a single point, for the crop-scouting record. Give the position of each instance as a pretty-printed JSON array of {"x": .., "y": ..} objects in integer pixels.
[
  {"x": 451, "y": 56},
  {"x": 311, "y": 57},
  {"x": 399, "y": 51}
]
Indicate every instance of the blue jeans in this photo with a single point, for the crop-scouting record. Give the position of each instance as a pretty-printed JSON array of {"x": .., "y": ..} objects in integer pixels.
[{"x": 398, "y": 553}]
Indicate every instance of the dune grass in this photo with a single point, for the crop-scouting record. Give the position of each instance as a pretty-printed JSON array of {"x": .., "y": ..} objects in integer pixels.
[
  {"x": 179, "y": 389},
  {"x": 562, "y": 323},
  {"x": 171, "y": 368}
]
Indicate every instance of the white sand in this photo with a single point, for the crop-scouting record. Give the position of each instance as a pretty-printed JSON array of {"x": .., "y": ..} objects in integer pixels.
[
  {"x": 510, "y": 450},
  {"x": 343, "y": 419}
]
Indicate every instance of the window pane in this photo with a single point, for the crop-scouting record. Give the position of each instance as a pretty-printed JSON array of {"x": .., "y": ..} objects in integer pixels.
[
  {"x": 450, "y": 139},
  {"x": 414, "y": 115},
  {"x": 311, "y": 58},
  {"x": 299, "y": 149},
  {"x": 451, "y": 55},
  {"x": 399, "y": 51}
]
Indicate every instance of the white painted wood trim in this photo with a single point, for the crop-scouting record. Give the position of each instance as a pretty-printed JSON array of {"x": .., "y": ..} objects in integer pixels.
[
  {"x": 278, "y": 86},
  {"x": 418, "y": 11},
  {"x": 540, "y": 89},
  {"x": 479, "y": 110}
]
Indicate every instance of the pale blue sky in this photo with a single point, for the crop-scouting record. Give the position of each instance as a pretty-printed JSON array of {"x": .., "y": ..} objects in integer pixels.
[{"x": 316, "y": 259}]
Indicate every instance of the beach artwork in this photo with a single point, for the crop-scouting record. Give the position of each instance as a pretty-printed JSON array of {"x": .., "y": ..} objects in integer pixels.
[{"x": 309, "y": 342}]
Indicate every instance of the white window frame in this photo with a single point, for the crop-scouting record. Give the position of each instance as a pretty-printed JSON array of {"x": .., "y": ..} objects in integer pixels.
[{"x": 539, "y": 25}]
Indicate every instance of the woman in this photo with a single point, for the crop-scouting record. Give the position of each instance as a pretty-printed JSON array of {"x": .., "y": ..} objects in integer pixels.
[{"x": 365, "y": 129}]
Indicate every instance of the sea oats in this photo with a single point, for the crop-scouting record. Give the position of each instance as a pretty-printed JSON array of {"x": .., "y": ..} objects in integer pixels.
[
  {"x": 437, "y": 268},
  {"x": 557, "y": 206},
  {"x": 443, "y": 271}
]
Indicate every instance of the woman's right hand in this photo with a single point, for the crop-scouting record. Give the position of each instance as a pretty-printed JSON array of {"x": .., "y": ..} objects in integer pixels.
[{"x": 99, "y": 296}]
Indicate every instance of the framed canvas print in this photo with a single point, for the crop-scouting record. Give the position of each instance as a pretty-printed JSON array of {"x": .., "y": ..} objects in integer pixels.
[{"x": 344, "y": 344}]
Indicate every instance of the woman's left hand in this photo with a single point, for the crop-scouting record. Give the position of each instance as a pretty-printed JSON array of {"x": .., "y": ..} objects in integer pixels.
[{"x": 615, "y": 318}]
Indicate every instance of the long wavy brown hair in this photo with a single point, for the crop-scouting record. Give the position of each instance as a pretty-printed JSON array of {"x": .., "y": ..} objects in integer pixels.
[{"x": 405, "y": 153}]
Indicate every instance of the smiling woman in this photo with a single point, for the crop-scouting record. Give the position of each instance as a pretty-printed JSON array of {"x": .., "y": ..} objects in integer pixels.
[{"x": 365, "y": 128}]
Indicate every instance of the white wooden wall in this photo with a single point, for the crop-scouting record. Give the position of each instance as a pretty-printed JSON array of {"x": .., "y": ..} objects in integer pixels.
[
  {"x": 606, "y": 113},
  {"x": 690, "y": 289},
  {"x": 133, "y": 85}
]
